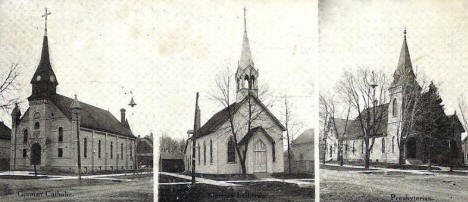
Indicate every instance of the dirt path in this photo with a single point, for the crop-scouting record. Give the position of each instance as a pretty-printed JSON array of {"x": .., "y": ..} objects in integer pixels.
[{"x": 438, "y": 187}]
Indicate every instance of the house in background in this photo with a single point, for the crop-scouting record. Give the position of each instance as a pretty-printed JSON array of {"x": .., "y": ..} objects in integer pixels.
[
  {"x": 171, "y": 161},
  {"x": 5, "y": 137},
  {"x": 144, "y": 152},
  {"x": 302, "y": 153}
]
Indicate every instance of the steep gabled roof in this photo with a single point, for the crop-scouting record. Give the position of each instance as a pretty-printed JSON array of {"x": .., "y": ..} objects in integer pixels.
[
  {"x": 306, "y": 137},
  {"x": 5, "y": 131},
  {"x": 252, "y": 131},
  {"x": 222, "y": 116},
  {"x": 92, "y": 117},
  {"x": 456, "y": 122}
]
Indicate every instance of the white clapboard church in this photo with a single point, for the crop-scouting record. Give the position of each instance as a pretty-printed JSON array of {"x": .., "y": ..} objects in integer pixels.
[{"x": 215, "y": 149}]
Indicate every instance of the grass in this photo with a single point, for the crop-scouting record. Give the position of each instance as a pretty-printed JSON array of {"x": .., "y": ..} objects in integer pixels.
[{"x": 338, "y": 191}]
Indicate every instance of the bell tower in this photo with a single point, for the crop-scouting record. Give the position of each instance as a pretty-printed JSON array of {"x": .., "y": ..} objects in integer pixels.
[
  {"x": 246, "y": 75},
  {"x": 44, "y": 83}
]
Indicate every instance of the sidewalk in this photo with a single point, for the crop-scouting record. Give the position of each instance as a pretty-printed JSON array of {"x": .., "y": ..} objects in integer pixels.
[
  {"x": 299, "y": 182},
  {"x": 66, "y": 177}
]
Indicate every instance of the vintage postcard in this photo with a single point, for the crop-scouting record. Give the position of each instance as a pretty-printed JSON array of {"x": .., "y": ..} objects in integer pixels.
[
  {"x": 393, "y": 105},
  {"x": 238, "y": 122},
  {"x": 77, "y": 85}
]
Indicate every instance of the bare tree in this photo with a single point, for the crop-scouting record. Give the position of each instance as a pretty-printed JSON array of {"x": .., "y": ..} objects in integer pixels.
[
  {"x": 335, "y": 125},
  {"x": 324, "y": 122},
  {"x": 9, "y": 87},
  {"x": 292, "y": 128},
  {"x": 366, "y": 91},
  {"x": 239, "y": 126}
]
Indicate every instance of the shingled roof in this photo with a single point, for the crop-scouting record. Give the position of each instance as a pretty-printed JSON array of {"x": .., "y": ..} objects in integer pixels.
[
  {"x": 92, "y": 117},
  {"x": 306, "y": 137},
  {"x": 5, "y": 131},
  {"x": 222, "y": 116}
]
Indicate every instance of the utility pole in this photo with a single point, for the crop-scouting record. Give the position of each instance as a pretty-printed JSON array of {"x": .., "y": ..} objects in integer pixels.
[{"x": 195, "y": 128}]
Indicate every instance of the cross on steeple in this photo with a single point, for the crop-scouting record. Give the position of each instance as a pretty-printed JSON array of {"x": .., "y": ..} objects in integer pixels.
[{"x": 45, "y": 16}]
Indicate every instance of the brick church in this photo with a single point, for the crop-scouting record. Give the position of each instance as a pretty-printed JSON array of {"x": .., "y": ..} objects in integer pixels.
[
  {"x": 46, "y": 133},
  {"x": 385, "y": 148},
  {"x": 215, "y": 148}
]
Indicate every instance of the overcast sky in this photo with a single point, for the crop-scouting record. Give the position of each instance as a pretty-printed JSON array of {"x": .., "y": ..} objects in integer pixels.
[
  {"x": 99, "y": 50},
  {"x": 199, "y": 40},
  {"x": 356, "y": 33}
]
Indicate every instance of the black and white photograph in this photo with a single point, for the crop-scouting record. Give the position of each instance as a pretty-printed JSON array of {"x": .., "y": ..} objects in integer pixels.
[
  {"x": 76, "y": 96},
  {"x": 393, "y": 100},
  {"x": 238, "y": 122}
]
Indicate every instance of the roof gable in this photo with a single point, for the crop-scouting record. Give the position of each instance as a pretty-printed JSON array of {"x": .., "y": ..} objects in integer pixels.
[
  {"x": 222, "y": 116},
  {"x": 306, "y": 137}
]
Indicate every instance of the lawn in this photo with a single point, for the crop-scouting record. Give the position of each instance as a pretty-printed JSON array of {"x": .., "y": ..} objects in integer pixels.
[
  {"x": 339, "y": 191},
  {"x": 249, "y": 191}
]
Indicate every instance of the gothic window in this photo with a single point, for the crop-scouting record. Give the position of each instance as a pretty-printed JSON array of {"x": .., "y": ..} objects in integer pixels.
[
  {"x": 25, "y": 136},
  {"x": 85, "y": 148},
  {"x": 331, "y": 150},
  {"x": 394, "y": 107},
  {"x": 36, "y": 125},
  {"x": 383, "y": 145},
  {"x": 25, "y": 153},
  {"x": 60, "y": 134},
  {"x": 198, "y": 147},
  {"x": 99, "y": 149},
  {"x": 112, "y": 150},
  {"x": 60, "y": 152},
  {"x": 246, "y": 81},
  {"x": 204, "y": 153},
  {"x": 393, "y": 144},
  {"x": 273, "y": 151},
  {"x": 252, "y": 82},
  {"x": 211, "y": 151},
  {"x": 131, "y": 152},
  {"x": 353, "y": 146},
  {"x": 231, "y": 154},
  {"x": 301, "y": 157}
]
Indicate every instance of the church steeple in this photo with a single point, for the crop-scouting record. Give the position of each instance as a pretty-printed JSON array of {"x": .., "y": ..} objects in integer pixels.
[
  {"x": 246, "y": 55},
  {"x": 44, "y": 82},
  {"x": 404, "y": 71},
  {"x": 246, "y": 75}
]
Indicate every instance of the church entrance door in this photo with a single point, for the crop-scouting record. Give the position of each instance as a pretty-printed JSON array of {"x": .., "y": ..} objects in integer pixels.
[
  {"x": 36, "y": 154},
  {"x": 260, "y": 157},
  {"x": 411, "y": 148}
]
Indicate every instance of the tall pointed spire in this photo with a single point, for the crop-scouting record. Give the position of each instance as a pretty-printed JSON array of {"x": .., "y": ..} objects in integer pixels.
[
  {"x": 404, "y": 67},
  {"x": 246, "y": 55},
  {"x": 44, "y": 81}
]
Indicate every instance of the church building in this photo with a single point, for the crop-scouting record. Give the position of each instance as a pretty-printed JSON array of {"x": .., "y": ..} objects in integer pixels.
[
  {"x": 46, "y": 135},
  {"x": 215, "y": 151},
  {"x": 385, "y": 148}
]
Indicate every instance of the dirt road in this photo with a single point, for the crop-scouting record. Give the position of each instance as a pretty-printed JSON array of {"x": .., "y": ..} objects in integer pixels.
[{"x": 354, "y": 185}]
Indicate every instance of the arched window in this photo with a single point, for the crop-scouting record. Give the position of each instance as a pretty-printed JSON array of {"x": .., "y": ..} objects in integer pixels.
[
  {"x": 246, "y": 81},
  {"x": 198, "y": 145},
  {"x": 353, "y": 146},
  {"x": 99, "y": 149},
  {"x": 393, "y": 144},
  {"x": 112, "y": 150},
  {"x": 252, "y": 80},
  {"x": 60, "y": 134},
  {"x": 204, "y": 153},
  {"x": 331, "y": 150},
  {"x": 36, "y": 125},
  {"x": 121, "y": 151},
  {"x": 231, "y": 153},
  {"x": 273, "y": 151},
  {"x": 85, "y": 148},
  {"x": 394, "y": 107},
  {"x": 211, "y": 151},
  {"x": 25, "y": 136},
  {"x": 383, "y": 145}
]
